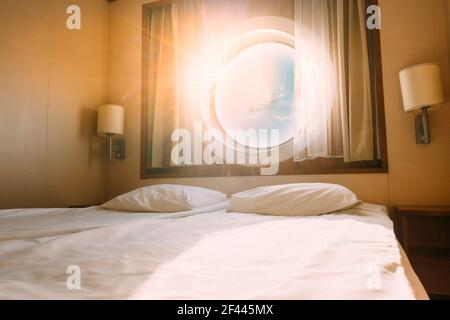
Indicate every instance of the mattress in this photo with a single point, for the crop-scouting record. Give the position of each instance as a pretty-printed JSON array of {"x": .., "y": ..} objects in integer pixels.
[{"x": 208, "y": 253}]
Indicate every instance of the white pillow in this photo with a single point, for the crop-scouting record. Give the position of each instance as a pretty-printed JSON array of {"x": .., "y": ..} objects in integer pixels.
[
  {"x": 165, "y": 198},
  {"x": 302, "y": 199}
]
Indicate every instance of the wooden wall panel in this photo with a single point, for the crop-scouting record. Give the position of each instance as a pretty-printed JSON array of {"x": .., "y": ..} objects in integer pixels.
[
  {"x": 413, "y": 32},
  {"x": 24, "y": 77},
  {"x": 76, "y": 157},
  {"x": 51, "y": 82}
]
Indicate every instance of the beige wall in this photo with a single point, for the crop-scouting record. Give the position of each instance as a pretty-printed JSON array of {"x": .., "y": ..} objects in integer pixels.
[
  {"x": 413, "y": 32},
  {"x": 51, "y": 81}
]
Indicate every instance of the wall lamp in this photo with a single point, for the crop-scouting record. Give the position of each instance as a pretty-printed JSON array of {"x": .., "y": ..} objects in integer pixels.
[
  {"x": 422, "y": 88},
  {"x": 110, "y": 124}
]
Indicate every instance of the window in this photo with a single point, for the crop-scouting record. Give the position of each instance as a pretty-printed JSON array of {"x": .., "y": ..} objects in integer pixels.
[
  {"x": 236, "y": 87},
  {"x": 262, "y": 97}
]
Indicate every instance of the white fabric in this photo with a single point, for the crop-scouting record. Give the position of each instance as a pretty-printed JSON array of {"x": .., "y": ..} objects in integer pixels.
[
  {"x": 36, "y": 223},
  {"x": 315, "y": 81},
  {"x": 299, "y": 199},
  {"x": 215, "y": 255},
  {"x": 165, "y": 198}
]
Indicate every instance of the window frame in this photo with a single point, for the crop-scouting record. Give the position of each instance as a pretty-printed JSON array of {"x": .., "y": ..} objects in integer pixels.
[{"x": 287, "y": 168}]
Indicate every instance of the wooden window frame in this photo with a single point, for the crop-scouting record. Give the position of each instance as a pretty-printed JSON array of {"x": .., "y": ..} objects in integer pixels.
[{"x": 287, "y": 168}]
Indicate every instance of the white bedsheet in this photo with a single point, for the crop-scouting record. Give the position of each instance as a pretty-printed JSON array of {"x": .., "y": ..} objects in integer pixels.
[{"x": 207, "y": 254}]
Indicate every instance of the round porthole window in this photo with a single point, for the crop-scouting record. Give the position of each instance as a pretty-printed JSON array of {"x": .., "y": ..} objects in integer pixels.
[
  {"x": 258, "y": 86},
  {"x": 254, "y": 86}
]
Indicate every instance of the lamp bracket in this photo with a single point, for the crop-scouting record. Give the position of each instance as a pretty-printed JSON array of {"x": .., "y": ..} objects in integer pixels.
[
  {"x": 119, "y": 149},
  {"x": 116, "y": 146},
  {"x": 422, "y": 127}
]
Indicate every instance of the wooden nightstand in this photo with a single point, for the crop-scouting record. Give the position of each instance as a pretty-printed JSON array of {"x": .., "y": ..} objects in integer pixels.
[{"x": 424, "y": 233}]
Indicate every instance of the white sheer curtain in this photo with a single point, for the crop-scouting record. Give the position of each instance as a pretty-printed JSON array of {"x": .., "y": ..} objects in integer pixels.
[
  {"x": 315, "y": 80},
  {"x": 333, "y": 111}
]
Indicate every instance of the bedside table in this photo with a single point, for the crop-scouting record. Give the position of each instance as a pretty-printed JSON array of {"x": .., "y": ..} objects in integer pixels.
[{"x": 424, "y": 233}]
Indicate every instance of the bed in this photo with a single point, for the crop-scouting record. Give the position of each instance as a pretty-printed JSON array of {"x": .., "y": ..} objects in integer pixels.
[{"x": 207, "y": 253}]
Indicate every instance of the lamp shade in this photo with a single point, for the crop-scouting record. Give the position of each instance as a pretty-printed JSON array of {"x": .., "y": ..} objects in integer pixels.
[
  {"x": 421, "y": 86},
  {"x": 110, "y": 120}
]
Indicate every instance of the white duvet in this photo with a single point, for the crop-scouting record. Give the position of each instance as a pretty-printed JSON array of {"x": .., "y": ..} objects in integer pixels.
[{"x": 204, "y": 254}]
